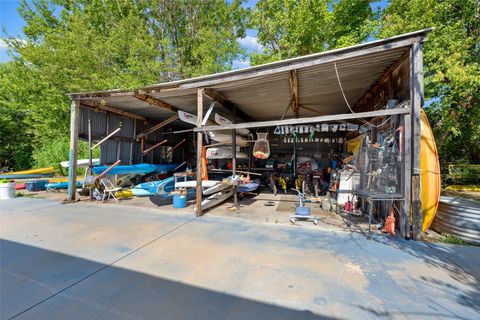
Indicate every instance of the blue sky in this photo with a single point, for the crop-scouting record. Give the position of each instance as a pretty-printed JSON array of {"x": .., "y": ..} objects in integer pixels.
[{"x": 13, "y": 23}]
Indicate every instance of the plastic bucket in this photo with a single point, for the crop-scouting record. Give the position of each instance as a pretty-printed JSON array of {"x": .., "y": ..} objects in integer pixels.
[
  {"x": 7, "y": 190},
  {"x": 179, "y": 201},
  {"x": 302, "y": 211}
]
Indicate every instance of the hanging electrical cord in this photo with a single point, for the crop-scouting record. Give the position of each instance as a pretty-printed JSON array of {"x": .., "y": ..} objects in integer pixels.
[{"x": 348, "y": 104}]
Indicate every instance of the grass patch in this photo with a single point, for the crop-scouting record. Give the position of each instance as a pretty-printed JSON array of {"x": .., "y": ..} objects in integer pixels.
[
  {"x": 470, "y": 195},
  {"x": 451, "y": 239}
]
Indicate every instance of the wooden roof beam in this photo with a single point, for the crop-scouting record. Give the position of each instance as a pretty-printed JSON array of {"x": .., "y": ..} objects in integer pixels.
[
  {"x": 158, "y": 126},
  {"x": 156, "y": 102},
  {"x": 214, "y": 95},
  {"x": 318, "y": 119},
  {"x": 99, "y": 106},
  {"x": 293, "y": 77}
]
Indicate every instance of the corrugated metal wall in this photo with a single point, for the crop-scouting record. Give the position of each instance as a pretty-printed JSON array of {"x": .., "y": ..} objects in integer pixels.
[
  {"x": 460, "y": 217},
  {"x": 122, "y": 145},
  {"x": 98, "y": 120}
]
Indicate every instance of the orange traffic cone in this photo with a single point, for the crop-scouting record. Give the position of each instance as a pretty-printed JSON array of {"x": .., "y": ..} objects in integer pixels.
[{"x": 390, "y": 223}]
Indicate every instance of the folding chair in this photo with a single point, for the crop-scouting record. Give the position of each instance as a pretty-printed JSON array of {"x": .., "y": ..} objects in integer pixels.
[{"x": 109, "y": 189}]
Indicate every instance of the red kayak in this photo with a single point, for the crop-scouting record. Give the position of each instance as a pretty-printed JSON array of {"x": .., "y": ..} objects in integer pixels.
[{"x": 20, "y": 186}]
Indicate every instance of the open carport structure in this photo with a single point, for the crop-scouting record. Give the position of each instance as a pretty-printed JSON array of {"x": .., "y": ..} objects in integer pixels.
[{"x": 352, "y": 84}]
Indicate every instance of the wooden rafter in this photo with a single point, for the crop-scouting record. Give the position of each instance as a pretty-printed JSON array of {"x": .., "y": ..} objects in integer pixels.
[
  {"x": 158, "y": 126},
  {"x": 360, "y": 104},
  {"x": 156, "y": 102},
  {"x": 99, "y": 106},
  {"x": 294, "y": 91},
  {"x": 214, "y": 95}
]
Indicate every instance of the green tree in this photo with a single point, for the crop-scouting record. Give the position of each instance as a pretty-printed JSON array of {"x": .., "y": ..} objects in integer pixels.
[
  {"x": 89, "y": 45},
  {"x": 290, "y": 28},
  {"x": 53, "y": 153},
  {"x": 451, "y": 66}
]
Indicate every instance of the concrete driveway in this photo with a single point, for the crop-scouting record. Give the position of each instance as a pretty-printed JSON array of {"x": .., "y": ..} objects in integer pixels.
[{"x": 87, "y": 261}]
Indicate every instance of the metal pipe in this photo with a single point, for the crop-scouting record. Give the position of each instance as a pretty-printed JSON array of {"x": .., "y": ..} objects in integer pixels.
[
  {"x": 153, "y": 147},
  {"x": 106, "y": 138},
  {"x": 101, "y": 175}
]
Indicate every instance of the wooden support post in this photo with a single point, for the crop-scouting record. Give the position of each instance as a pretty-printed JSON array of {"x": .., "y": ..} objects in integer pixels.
[
  {"x": 407, "y": 178},
  {"x": 234, "y": 159},
  {"x": 72, "y": 156},
  {"x": 198, "y": 204},
  {"x": 130, "y": 160},
  {"x": 90, "y": 156},
  {"x": 416, "y": 94}
]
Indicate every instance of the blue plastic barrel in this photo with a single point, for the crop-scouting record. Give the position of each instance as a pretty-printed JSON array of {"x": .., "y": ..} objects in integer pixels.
[{"x": 179, "y": 201}]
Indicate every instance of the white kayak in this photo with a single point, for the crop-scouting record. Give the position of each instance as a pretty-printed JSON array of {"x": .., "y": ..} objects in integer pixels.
[
  {"x": 216, "y": 199},
  {"x": 227, "y": 138},
  {"x": 191, "y": 118},
  {"x": 223, "y": 121},
  {"x": 81, "y": 163},
  {"x": 193, "y": 184},
  {"x": 218, "y": 187},
  {"x": 224, "y": 153}
]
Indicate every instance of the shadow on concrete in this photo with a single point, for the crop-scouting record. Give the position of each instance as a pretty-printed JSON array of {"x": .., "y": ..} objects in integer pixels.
[
  {"x": 43, "y": 284},
  {"x": 447, "y": 258}
]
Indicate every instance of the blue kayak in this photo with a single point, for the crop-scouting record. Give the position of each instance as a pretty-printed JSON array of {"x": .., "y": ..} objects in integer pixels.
[
  {"x": 152, "y": 188},
  {"x": 142, "y": 168},
  {"x": 61, "y": 185},
  {"x": 155, "y": 188},
  {"x": 249, "y": 187},
  {"x": 26, "y": 175}
]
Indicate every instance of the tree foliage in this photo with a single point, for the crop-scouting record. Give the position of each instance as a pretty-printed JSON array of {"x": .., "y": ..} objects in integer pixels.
[
  {"x": 451, "y": 67},
  {"x": 53, "y": 153},
  {"x": 88, "y": 45},
  {"x": 290, "y": 28}
]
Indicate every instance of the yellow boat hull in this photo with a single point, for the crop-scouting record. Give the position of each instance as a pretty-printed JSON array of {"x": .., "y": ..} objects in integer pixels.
[
  {"x": 35, "y": 171},
  {"x": 430, "y": 173},
  {"x": 124, "y": 193}
]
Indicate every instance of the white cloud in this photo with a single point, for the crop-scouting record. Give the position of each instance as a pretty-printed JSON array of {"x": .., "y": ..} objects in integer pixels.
[
  {"x": 3, "y": 45},
  {"x": 241, "y": 63},
  {"x": 250, "y": 43}
]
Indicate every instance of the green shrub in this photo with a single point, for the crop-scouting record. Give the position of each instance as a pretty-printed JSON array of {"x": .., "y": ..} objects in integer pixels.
[
  {"x": 451, "y": 239},
  {"x": 56, "y": 151}
]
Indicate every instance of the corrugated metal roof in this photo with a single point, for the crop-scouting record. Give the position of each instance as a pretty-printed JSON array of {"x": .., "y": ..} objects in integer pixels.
[{"x": 263, "y": 91}]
